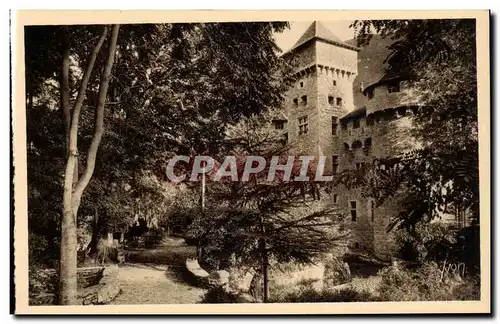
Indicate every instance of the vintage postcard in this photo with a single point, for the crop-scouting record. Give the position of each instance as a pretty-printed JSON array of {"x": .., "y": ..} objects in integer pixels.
[{"x": 251, "y": 162}]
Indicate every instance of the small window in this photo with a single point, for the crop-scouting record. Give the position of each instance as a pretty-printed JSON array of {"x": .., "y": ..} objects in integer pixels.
[
  {"x": 334, "y": 82},
  {"x": 335, "y": 124},
  {"x": 335, "y": 164},
  {"x": 284, "y": 140},
  {"x": 335, "y": 198},
  {"x": 370, "y": 92},
  {"x": 355, "y": 123},
  {"x": 393, "y": 87},
  {"x": 339, "y": 102},
  {"x": 368, "y": 143},
  {"x": 371, "y": 210},
  {"x": 304, "y": 100},
  {"x": 301, "y": 84},
  {"x": 369, "y": 121},
  {"x": 330, "y": 100},
  {"x": 354, "y": 212},
  {"x": 303, "y": 125},
  {"x": 343, "y": 126},
  {"x": 278, "y": 124},
  {"x": 356, "y": 245},
  {"x": 296, "y": 102}
]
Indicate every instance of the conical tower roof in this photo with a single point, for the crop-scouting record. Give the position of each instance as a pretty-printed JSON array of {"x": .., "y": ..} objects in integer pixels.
[{"x": 317, "y": 31}]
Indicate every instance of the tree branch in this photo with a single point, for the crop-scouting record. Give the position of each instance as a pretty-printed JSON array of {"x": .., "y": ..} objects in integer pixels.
[{"x": 99, "y": 123}]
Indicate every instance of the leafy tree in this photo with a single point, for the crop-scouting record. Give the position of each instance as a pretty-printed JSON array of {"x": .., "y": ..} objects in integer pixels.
[
  {"x": 173, "y": 87},
  {"x": 260, "y": 219}
]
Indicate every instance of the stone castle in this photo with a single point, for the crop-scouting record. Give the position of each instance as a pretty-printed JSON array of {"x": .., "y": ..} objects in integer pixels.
[{"x": 344, "y": 106}]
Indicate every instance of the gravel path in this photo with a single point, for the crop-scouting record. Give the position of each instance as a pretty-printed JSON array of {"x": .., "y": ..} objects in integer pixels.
[{"x": 158, "y": 276}]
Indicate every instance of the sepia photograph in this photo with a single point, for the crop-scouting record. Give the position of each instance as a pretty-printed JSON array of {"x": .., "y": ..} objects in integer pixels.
[{"x": 242, "y": 162}]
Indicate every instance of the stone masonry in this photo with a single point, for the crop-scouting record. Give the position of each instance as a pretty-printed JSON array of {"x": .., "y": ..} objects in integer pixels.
[{"x": 351, "y": 119}]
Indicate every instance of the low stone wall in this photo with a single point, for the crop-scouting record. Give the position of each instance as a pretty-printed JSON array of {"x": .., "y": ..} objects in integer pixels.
[
  {"x": 105, "y": 291},
  {"x": 198, "y": 274},
  {"x": 91, "y": 280}
]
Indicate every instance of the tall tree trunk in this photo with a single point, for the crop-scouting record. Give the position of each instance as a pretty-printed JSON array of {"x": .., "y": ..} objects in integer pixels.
[
  {"x": 265, "y": 262},
  {"x": 73, "y": 193},
  {"x": 265, "y": 271}
]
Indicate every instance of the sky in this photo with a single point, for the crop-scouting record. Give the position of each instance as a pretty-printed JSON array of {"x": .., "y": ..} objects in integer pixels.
[{"x": 287, "y": 39}]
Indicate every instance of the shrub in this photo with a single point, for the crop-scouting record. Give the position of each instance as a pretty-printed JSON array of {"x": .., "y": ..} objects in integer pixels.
[
  {"x": 427, "y": 282},
  {"x": 220, "y": 296},
  {"x": 309, "y": 295},
  {"x": 429, "y": 241}
]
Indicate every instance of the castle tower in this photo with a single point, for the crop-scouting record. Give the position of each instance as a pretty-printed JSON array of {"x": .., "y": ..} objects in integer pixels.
[{"x": 321, "y": 93}]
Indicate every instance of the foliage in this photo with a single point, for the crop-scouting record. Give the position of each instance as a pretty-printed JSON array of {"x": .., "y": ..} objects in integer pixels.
[
  {"x": 427, "y": 282},
  {"x": 219, "y": 295},
  {"x": 249, "y": 223},
  {"x": 174, "y": 87},
  {"x": 434, "y": 241},
  {"x": 310, "y": 295}
]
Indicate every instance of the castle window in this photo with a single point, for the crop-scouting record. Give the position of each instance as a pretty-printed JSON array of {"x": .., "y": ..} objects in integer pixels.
[
  {"x": 335, "y": 198},
  {"x": 393, "y": 87},
  {"x": 356, "y": 245},
  {"x": 330, "y": 100},
  {"x": 343, "y": 126},
  {"x": 371, "y": 210},
  {"x": 369, "y": 121},
  {"x": 284, "y": 141},
  {"x": 335, "y": 164},
  {"x": 355, "y": 123},
  {"x": 335, "y": 125},
  {"x": 339, "y": 102},
  {"x": 368, "y": 145},
  {"x": 296, "y": 102},
  {"x": 334, "y": 82},
  {"x": 279, "y": 124},
  {"x": 370, "y": 92},
  {"x": 303, "y": 129},
  {"x": 354, "y": 211},
  {"x": 304, "y": 100},
  {"x": 301, "y": 84}
]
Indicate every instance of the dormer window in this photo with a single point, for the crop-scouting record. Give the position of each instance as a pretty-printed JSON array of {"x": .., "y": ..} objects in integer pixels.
[{"x": 279, "y": 124}]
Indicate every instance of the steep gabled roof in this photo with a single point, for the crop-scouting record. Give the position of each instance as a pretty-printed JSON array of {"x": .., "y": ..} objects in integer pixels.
[{"x": 319, "y": 32}]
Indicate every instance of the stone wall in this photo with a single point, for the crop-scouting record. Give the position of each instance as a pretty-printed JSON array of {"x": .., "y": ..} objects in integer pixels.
[
  {"x": 99, "y": 281},
  {"x": 383, "y": 100},
  {"x": 389, "y": 135},
  {"x": 305, "y": 85},
  {"x": 336, "y": 56}
]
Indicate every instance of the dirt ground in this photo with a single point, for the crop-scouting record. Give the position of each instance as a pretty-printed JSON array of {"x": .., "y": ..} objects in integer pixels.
[{"x": 158, "y": 276}]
